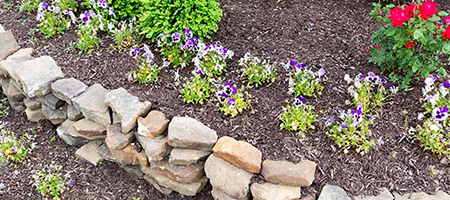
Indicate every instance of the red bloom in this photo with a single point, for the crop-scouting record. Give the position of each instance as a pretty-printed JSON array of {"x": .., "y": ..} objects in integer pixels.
[
  {"x": 411, "y": 8},
  {"x": 447, "y": 20},
  {"x": 446, "y": 33},
  {"x": 427, "y": 9},
  {"x": 378, "y": 47},
  {"x": 398, "y": 16},
  {"x": 410, "y": 44}
]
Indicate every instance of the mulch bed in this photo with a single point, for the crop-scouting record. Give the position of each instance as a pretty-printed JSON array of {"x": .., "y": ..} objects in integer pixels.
[{"x": 331, "y": 34}]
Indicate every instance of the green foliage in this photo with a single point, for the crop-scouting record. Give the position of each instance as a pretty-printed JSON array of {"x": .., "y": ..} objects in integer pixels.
[
  {"x": 298, "y": 117},
  {"x": 147, "y": 70},
  {"x": 87, "y": 39},
  {"x": 53, "y": 18},
  {"x": 125, "y": 36},
  {"x": 170, "y": 16},
  {"x": 172, "y": 50},
  {"x": 305, "y": 82},
  {"x": 126, "y": 9},
  {"x": 235, "y": 102},
  {"x": 29, "y": 6},
  {"x": 50, "y": 182},
  {"x": 256, "y": 71},
  {"x": 13, "y": 148},
  {"x": 408, "y": 50},
  {"x": 4, "y": 111},
  {"x": 196, "y": 90},
  {"x": 212, "y": 60}
]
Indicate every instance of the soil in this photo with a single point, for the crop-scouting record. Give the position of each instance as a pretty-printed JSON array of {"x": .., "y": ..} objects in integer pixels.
[{"x": 332, "y": 34}]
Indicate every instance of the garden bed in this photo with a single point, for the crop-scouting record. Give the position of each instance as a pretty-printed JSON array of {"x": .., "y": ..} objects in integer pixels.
[{"x": 329, "y": 34}]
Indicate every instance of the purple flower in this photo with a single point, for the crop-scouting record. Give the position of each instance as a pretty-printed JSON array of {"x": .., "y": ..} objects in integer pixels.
[
  {"x": 102, "y": 4},
  {"x": 229, "y": 89},
  {"x": 135, "y": 52},
  {"x": 222, "y": 96},
  {"x": 198, "y": 70},
  {"x": 224, "y": 51},
  {"x": 214, "y": 44},
  {"x": 389, "y": 85},
  {"x": 129, "y": 77},
  {"x": 292, "y": 63},
  {"x": 85, "y": 16},
  {"x": 5, "y": 123},
  {"x": 71, "y": 182},
  {"x": 357, "y": 112},
  {"x": 330, "y": 121},
  {"x": 190, "y": 44},
  {"x": 430, "y": 80},
  {"x": 195, "y": 39},
  {"x": 299, "y": 101},
  {"x": 345, "y": 127},
  {"x": 440, "y": 114},
  {"x": 187, "y": 33},
  {"x": 231, "y": 103},
  {"x": 446, "y": 84},
  {"x": 2, "y": 186},
  {"x": 321, "y": 72},
  {"x": 176, "y": 37},
  {"x": 372, "y": 78}
]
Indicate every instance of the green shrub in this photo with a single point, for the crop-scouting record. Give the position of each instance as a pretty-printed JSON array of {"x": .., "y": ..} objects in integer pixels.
[
  {"x": 170, "y": 16},
  {"x": 298, "y": 117},
  {"x": 126, "y": 9},
  {"x": 196, "y": 90}
]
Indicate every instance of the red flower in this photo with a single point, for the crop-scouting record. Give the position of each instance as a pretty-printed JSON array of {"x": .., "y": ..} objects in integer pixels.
[
  {"x": 367, "y": 48},
  {"x": 410, "y": 44},
  {"x": 398, "y": 16},
  {"x": 446, "y": 33},
  {"x": 411, "y": 8},
  {"x": 427, "y": 9},
  {"x": 378, "y": 47},
  {"x": 447, "y": 20}
]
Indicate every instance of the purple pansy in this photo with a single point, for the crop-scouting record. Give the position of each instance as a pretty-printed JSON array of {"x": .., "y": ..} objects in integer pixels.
[
  {"x": 231, "y": 103},
  {"x": 321, "y": 72},
  {"x": 372, "y": 78},
  {"x": 190, "y": 44},
  {"x": 229, "y": 89},
  {"x": 430, "y": 80},
  {"x": 102, "y": 4},
  {"x": 71, "y": 182},
  {"x": 440, "y": 114},
  {"x": 292, "y": 63},
  {"x": 198, "y": 70},
  {"x": 188, "y": 34},
  {"x": 345, "y": 127},
  {"x": 446, "y": 84},
  {"x": 135, "y": 52},
  {"x": 176, "y": 37}
]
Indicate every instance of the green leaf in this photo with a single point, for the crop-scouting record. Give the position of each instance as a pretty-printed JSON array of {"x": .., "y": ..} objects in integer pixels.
[
  {"x": 443, "y": 14},
  {"x": 418, "y": 34},
  {"x": 446, "y": 48},
  {"x": 435, "y": 19}
]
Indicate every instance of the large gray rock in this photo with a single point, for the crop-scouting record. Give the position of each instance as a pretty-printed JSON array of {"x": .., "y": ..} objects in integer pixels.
[
  {"x": 226, "y": 177},
  {"x": 269, "y": 191},
  {"x": 188, "y": 189},
  {"x": 332, "y": 192},
  {"x": 104, "y": 152},
  {"x": 67, "y": 89},
  {"x": 8, "y": 43},
  {"x": 53, "y": 102},
  {"x": 220, "y": 195},
  {"x": 32, "y": 104},
  {"x": 287, "y": 173},
  {"x": 55, "y": 116},
  {"x": 90, "y": 129},
  {"x": 186, "y": 132},
  {"x": 187, "y": 156},
  {"x": 384, "y": 195},
  {"x": 34, "y": 115},
  {"x": 155, "y": 148},
  {"x": 69, "y": 135},
  {"x": 2, "y": 29},
  {"x": 153, "y": 125},
  {"x": 89, "y": 153},
  {"x": 180, "y": 174},
  {"x": 7, "y": 66},
  {"x": 92, "y": 104},
  {"x": 73, "y": 113},
  {"x": 116, "y": 139},
  {"x": 161, "y": 189},
  {"x": 36, "y": 75},
  {"x": 127, "y": 107},
  {"x": 14, "y": 93}
]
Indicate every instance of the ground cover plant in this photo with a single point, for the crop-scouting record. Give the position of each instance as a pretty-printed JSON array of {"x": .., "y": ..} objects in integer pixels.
[
  {"x": 257, "y": 72},
  {"x": 51, "y": 182},
  {"x": 56, "y": 16},
  {"x": 298, "y": 116},
  {"x": 303, "y": 81}
]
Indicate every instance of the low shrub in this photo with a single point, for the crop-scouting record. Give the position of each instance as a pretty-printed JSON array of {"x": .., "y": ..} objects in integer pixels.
[
  {"x": 197, "y": 90},
  {"x": 13, "y": 148},
  {"x": 125, "y": 35},
  {"x": 298, "y": 117},
  {"x": 211, "y": 60},
  {"x": 257, "y": 72},
  {"x": 178, "y": 48},
  {"x": 56, "y": 17},
  {"x": 126, "y": 9},
  {"x": 29, "y": 6},
  {"x": 303, "y": 81}
]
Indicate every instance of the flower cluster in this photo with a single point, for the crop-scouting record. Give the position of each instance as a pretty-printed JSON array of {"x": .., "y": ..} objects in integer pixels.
[
  {"x": 56, "y": 17},
  {"x": 232, "y": 100},
  {"x": 12, "y": 148},
  {"x": 256, "y": 71},
  {"x": 211, "y": 60},
  {"x": 197, "y": 90},
  {"x": 147, "y": 70},
  {"x": 433, "y": 134},
  {"x": 298, "y": 117},
  {"x": 303, "y": 81},
  {"x": 50, "y": 182},
  {"x": 125, "y": 35},
  {"x": 178, "y": 48},
  {"x": 352, "y": 130}
]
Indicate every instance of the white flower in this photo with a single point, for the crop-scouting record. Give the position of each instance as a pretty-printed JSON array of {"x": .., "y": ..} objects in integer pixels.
[
  {"x": 430, "y": 80},
  {"x": 443, "y": 90},
  {"x": 394, "y": 89},
  {"x": 421, "y": 115},
  {"x": 357, "y": 84},
  {"x": 434, "y": 127}
]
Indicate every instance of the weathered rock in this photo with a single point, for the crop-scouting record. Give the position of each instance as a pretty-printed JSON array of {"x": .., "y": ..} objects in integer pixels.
[
  {"x": 153, "y": 125},
  {"x": 90, "y": 129},
  {"x": 287, "y": 173},
  {"x": 34, "y": 115},
  {"x": 127, "y": 107},
  {"x": 155, "y": 148},
  {"x": 55, "y": 116},
  {"x": 67, "y": 89},
  {"x": 188, "y": 189},
  {"x": 17, "y": 105},
  {"x": 186, "y": 132},
  {"x": 227, "y": 177},
  {"x": 73, "y": 113},
  {"x": 269, "y": 191},
  {"x": 69, "y": 135},
  {"x": 128, "y": 155},
  {"x": 8, "y": 43},
  {"x": 180, "y": 174},
  {"x": 161, "y": 189},
  {"x": 116, "y": 139},
  {"x": 89, "y": 153},
  {"x": 220, "y": 195},
  {"x": 53, "y": 102},
  {"x": 440, "y": 195},
  {"x": 2, "y": 29},
  {"x": 14, "y": 93},
  {"x": 104, "y": 152},
  {"x": 134, "y": 171},
  {"x": 384, "y": 195},
  {"x": 332, "y": 192},
  {"x": 91, "y": 104},
  {"x": 7, "y": 66},
  {"x": 186, "y": 156},
  {"x": 239, "y": 153},
  {"x": 21, "y": 54},
  {"x": 32, "y": 104},
  {"x": 36, "y": 75}
]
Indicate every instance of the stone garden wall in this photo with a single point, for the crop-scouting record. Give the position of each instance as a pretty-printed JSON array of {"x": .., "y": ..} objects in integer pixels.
[{"x": 174, "y": 155}]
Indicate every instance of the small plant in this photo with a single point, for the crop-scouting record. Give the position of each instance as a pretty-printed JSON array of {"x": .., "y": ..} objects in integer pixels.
[
  {"x": 171, "y": 16},
  {"x": 232, "y": 100},
  {"x": 12, "y": 148},
  {"x": 298, "y": 117},
  {"x": 50, "y": 182},
  {"x": 303, "y": 81},
  {"x": 126, "y": 9},
  {"x": 125, "y": 36},
  {"x": 178, "y": 49},
  {"x": 4, "y": 107},
  {"x": 256, "y": 71},
  {"x": 148, "y": 70},
  {"x": 411, "y": 41},
  {"x": 29, "y": 5},
  {"x": 211, "y": 60},
  {"x": 433, "y": 134},
  {"x": 56, "y": 17},
  {"x": 197, "y": 90}
]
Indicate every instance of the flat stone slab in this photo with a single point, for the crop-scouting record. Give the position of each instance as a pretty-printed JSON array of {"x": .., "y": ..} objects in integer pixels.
[
  {"x": 288, "y": 173},
  {"x": 161, "y": 189},
  {"x": 34, "y": 115},
  {"x": 67, "y": 89},
  {"x": 153, "y": 125},
  {"x": 155, "y": 148},
  {"x": 180, "y": 174},
  {"x": 127, "y": 107},
  {"x": 239, "y": 153},
  {"x": 228, "y": 178},
  {"x": 55, "y": 116},
  {"x": 186, "y": 132},
  {"x": 69, "y": 135},
  {"x": 128, "y": 155},
  {"x": 116, "y": 139},
  {"x": 440, "y": 195},
  {"x": 7, "y": 66},
  {"x": 269, "y": 191},
  {"x": 220, "y": 195},
  {"x": 92, "y": 104},
  {"x": 14, "y": 92},
  {"x": 32, "y": 104},
  {"x": 332, "y": 192},
  {"x": 8, "y": 43},
  {"x": 36, "y": 75},
  {"x": 187, "y": 156},
  {"x": 190, "y": 189},
  {"x": 73, "y": 113},
  {"x": 89, "y": 153},
  {"x": 384, "y": 195},
  {"x": 53, "y": 102},
  {"x": 90, "y": 129}
]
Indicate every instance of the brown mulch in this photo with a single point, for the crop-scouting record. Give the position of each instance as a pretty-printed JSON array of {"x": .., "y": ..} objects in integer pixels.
[{"x": 332, "y": 34}]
